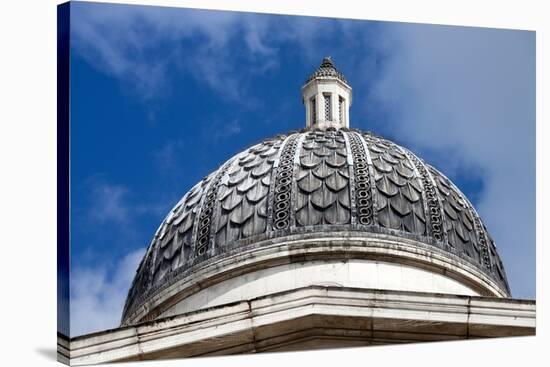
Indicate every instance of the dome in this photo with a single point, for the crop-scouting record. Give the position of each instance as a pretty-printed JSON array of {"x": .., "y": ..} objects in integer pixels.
[
  {"x": 315, "y": 182},
  {"x": 346, "y": 188}
]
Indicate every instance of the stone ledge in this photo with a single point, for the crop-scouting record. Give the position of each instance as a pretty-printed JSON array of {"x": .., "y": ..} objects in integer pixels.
[{"x": 308, "y": 318}]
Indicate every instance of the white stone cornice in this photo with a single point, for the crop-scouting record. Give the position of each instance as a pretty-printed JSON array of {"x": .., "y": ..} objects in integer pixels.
[{"x": 328, "y": 316}]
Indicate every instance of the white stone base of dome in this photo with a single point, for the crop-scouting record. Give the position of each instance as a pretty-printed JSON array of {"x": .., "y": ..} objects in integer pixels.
[
  {"x": 365, "y": 274},
  {"x": 415, "y": 266}
]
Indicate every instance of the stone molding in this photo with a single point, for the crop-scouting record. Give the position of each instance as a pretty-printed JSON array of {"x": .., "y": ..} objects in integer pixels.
[
  {"x": 293, "y": 320},
  {"x": 312, "y": 246}
]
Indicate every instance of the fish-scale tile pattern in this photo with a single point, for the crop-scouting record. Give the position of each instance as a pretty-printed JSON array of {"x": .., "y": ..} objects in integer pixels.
[
  {"x": 459, "y": 223},
  {"x": 242, "y": 198},
  {"x": 399, "y": 202},
  {"x": 175, "y": 240},
  {"x": 172, "y": 244},
  {"x": 322, "y": 180}
]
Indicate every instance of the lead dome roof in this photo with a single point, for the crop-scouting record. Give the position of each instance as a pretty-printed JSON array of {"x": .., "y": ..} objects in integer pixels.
[{"x": 323, "y": 181}]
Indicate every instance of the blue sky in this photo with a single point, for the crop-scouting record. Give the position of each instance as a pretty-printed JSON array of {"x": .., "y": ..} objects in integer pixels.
[{"x": 160, "y": 97}]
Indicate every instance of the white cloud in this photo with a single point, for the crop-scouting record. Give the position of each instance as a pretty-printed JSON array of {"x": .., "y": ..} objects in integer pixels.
[
  {"x": 109, "y": 204},
  {"x": 470, "y": 94},
  {"x": 98, "y": 294},
  {"x": 113, "y": 204},
  {"x": 136, "y": 44}
]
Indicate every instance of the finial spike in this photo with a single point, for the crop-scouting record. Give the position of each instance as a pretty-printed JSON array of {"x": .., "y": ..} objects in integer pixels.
[{"x": 327, "y": 62}]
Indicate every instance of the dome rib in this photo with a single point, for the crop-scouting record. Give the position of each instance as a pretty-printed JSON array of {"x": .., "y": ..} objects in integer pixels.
[
  {"x": 272, "y": 195},
  {"x": 202, "y": 239},
  {"x": 432, "y": 203},
  {"x": 285, "y": 184},
  {"x": 363, "y": 188}
]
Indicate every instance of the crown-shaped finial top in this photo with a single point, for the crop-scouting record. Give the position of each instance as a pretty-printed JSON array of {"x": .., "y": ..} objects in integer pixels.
[
  {"x": 327, "y": 69},
  {"x": 327, "y": 62}
]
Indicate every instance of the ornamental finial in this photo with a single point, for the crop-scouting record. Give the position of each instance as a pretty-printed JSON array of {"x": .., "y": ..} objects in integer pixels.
[{"x": 327, "y": 97}]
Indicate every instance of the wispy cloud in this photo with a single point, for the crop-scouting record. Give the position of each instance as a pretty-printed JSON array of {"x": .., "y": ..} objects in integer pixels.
[
  {"x": 129, "y": 42},
  {"x": 100, "y": 279},
  {"x": 113, "y": 204},
  {"x": 98, "y": 294},
  {"x": 109, "y": 204},
  {"x": 168, "y": 156},
  {"x": 139, "y": 44},
  {"x": 226, "y": 129},
  {"x": 469, "y": 93}
]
